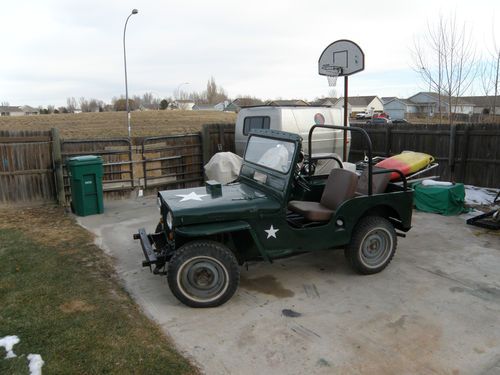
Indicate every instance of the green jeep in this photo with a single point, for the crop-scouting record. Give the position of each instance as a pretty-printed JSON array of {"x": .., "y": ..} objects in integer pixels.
[{"x": 276, "y": 208}]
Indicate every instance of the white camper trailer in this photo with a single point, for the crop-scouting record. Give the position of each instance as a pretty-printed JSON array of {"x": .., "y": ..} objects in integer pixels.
[{"x": 297, "y": 120}]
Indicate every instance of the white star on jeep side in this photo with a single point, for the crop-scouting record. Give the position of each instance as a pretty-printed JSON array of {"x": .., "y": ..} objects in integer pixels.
[
  {"x": 271, "y": 232},
  {"x": 191, "y": 196}
]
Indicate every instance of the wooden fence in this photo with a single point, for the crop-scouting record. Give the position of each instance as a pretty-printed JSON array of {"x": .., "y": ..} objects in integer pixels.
[
  {"x": 217, "y": 138},
  {"x": 32, "y": 163},
  {"x": 172, "y": 162},
  {"x": 118, "y": 178},
  {"x": 33, "y": 167},
  {"x": 465, "y": 153},
  {"x": 26, "y": 167}
]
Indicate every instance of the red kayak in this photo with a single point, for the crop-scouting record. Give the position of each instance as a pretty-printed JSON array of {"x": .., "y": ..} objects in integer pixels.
[{"x": 407, "y": 162}]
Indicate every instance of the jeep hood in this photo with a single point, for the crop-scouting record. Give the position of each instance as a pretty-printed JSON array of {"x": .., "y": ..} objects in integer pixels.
[{"x": 236, "y": 201}]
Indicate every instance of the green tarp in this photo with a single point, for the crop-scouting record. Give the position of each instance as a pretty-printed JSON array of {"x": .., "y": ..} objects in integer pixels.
[{"x": 445, "y": 200}]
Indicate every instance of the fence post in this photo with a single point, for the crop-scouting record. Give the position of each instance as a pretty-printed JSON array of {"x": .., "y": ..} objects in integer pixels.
[
  {"x": 58, "y": 166},
  {"x": 205, "y": 143},
  {"x": 465, "y": 153},
  {"x": 388, "y": 135},
  {"x": 451, "y": 156}
]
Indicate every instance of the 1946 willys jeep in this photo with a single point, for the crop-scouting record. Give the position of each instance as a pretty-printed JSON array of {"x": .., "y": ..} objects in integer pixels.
[{"x": 276, "y": 208}]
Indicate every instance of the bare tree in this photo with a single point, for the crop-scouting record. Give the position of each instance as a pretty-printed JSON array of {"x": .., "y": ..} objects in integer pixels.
[
  {"x": 214, "y": 93},
  {"x": 445, "y": 60},
  {"x": 490, "y": 74},
  {"x": 50, "y": 108},
  {"x": 84, "y": 104},
  {"x": 71, "y": 104},
  {"x": 4, "y": 104}
]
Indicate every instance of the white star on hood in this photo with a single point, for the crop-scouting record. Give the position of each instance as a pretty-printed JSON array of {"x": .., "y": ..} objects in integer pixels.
[
  {"x": 271, "y": 232},
  {"x": 191, "y": 196}
]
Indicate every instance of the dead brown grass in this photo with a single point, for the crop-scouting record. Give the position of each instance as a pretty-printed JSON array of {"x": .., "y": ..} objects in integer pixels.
[
  {"x": 70, "y": 307},
  {"x": 114, "y": 124},
  {"x": 48, "y": 225}
]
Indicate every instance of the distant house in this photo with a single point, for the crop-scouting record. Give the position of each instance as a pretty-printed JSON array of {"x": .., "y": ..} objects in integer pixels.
[
  {"x": 8, "y": 110},
  {"x": 340, "y": 104},
  {"x": 429, "y": 103},
  {"x": 222, "y": 105},
  {"x": 368, "y": 104},
  {"x": 239, "y": 103},
  {"x": 387, "y": 99},
  {"x": 29, "y": 111},
  {"x": 324, "y": 102},
  {"x": 397, "y": 109},
  {"x": 184, "y": 104},
  {"x": 483, "y": 105},
  {"x": 288, "y": 103},
  {"x": 203, "y": 107}
]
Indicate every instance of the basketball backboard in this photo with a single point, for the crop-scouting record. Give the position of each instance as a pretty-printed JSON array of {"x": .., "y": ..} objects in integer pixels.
[{"x": 341, "y": 58}]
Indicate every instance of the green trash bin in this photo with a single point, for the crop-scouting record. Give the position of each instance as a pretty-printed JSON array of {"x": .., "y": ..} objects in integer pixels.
[{"x": 85, "y": 174}]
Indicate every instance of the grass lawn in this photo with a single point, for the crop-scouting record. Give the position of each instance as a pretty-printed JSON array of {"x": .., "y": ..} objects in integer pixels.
[
  {"x": 114, "y": 124},
  {"x": 60, "y": 296}
]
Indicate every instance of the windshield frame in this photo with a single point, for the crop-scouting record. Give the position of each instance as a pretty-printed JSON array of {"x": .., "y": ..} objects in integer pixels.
[{"x": 279, "y": 149}]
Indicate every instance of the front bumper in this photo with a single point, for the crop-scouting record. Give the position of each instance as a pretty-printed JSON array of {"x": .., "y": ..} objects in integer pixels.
[{"x": 147, "y": 242}]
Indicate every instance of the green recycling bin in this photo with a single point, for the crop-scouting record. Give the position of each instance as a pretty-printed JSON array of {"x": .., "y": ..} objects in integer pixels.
[{"x": 85, "y": 174}]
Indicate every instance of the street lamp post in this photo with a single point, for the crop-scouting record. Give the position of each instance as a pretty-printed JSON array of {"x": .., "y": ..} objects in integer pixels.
[
  {"x": 177, "y": 93},
  {"x": 134, "y": 11},
  {"x": 178, "y": 90}
]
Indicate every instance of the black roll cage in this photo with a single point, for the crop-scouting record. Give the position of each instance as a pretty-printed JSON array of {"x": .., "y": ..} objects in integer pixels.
[{"x": 369, "y": 147}]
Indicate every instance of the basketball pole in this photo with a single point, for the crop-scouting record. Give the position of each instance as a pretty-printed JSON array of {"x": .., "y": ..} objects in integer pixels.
[{"x": 345, "y": 117}]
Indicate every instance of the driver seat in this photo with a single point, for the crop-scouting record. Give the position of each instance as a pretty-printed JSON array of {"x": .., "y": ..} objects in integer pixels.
[{"x": 340, "y": 186}]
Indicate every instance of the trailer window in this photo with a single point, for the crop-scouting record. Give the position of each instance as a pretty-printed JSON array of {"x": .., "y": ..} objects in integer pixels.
[{"x": 255, "y": 122}]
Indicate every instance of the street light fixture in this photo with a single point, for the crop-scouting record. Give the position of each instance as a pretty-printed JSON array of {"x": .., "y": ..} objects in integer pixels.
[
  {"x": 178, "y": 90},
  {"x": 134, "y": 11}
]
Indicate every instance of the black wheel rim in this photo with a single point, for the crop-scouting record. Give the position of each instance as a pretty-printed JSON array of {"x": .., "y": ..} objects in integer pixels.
[
  {"x": 376, "y": 247},
  {"x": 203, "y": 279}
]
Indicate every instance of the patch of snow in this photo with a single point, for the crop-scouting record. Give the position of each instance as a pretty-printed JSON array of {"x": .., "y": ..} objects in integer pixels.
[
  {"x": 8, "y": 343},
  {"x": 36, "y": 363},
  {"x": 479, "y": 196},
  {"x": 433, "y": 182}
]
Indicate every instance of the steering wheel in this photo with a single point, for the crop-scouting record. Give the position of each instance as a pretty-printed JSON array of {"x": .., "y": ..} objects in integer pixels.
[{"x": 301, "y": 181}]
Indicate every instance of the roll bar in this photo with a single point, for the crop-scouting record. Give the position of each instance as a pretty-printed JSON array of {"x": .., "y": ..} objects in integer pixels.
[{"x": 369, "y": 146}]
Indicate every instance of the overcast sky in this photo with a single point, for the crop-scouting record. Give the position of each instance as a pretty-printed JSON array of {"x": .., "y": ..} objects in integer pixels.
[{"x": 54, "y": 49}]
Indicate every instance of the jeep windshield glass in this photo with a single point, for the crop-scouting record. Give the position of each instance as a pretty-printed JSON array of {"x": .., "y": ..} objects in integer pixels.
[{"x": 270, "y": 153}]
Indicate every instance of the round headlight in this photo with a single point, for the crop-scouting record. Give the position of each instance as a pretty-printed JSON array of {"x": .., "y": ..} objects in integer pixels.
[{"x": 169, "y": 220}]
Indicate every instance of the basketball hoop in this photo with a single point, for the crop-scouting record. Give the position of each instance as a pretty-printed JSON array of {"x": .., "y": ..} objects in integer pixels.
[
  {"x": 333, "y": 74},
  {"x": 341, "y": 58}
]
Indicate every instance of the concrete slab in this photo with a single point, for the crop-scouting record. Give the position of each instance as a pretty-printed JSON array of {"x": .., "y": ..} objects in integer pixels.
[{"x": 434, "y": 310}]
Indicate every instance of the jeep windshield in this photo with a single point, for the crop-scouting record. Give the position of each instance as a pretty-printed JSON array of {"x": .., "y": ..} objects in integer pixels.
[{"x": 270, "y": 153}]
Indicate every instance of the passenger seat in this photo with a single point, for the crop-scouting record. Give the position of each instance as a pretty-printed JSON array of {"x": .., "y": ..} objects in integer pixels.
[{"x": 340, "y": 186}]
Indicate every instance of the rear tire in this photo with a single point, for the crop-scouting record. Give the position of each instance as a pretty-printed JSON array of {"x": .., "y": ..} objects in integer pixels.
[
  {"x": 373, "y": 245},
  {"x": 203, "y": 274}
]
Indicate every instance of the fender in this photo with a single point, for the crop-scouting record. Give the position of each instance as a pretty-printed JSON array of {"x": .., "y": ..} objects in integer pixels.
[
  {"x": 211, "y": 229},
  {"x": 221, "y": 227}
]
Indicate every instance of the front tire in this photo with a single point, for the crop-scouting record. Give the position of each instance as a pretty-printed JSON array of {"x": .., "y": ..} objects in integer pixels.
[
  {"x": 203, "y": 274},
  {"x": 373, "y": 245}
]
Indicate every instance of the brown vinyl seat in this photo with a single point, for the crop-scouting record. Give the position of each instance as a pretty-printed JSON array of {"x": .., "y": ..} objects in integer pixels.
[
  {"x": 340, "y": 186},
  {"x": 379, "y": 182}
]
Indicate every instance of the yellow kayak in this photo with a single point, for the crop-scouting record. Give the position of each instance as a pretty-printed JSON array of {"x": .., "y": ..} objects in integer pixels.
[{"x": 407, "y": 162}]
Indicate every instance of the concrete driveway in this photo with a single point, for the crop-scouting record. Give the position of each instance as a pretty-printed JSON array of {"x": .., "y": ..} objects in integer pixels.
[{"x": 434, "y": 310}]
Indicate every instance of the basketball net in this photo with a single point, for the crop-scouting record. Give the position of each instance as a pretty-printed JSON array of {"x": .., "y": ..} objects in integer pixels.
[{"x": 332, "y": 79}]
